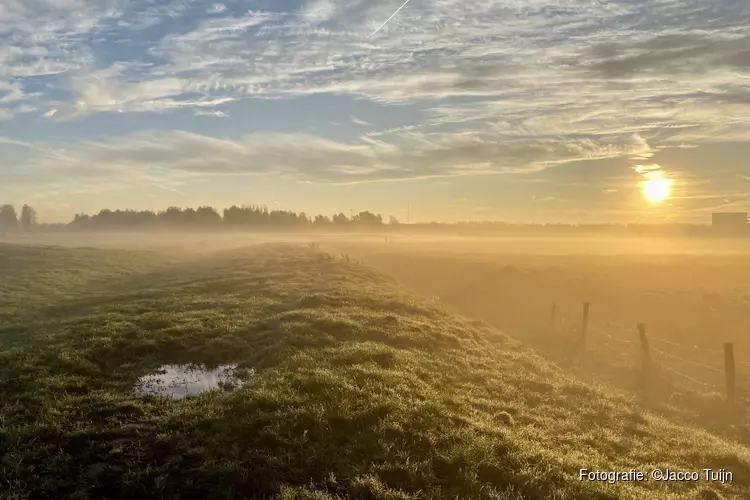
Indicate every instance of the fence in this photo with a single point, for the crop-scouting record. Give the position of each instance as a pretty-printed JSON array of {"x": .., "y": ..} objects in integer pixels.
[
  {"x": 650, "y": 353},
  {"x": 727, "y": 372}
]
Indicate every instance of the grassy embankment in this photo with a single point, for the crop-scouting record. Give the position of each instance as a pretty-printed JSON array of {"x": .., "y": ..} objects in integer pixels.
[
  {"x": 691, "y": 300},
  {"x": 361, "y": 390}
]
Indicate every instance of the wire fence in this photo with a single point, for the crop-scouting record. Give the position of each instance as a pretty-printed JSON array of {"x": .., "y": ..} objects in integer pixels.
[{"x": 673, "y": 357}]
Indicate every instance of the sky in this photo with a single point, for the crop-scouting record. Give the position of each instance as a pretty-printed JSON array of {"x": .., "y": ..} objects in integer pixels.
[{"x": 513, "y": 110}]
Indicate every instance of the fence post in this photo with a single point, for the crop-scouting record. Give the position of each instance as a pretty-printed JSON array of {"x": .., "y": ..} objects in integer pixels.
[
  {"x": 729, "y": 368},
  {"x": 553, "y": 316},
  {"x": 585, "y": 323},
  {"x": 644, "y": 346}
]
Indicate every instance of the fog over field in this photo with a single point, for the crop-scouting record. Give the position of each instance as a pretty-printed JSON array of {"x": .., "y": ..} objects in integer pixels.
[
  {"x": 371, "y": 365},
  {"x": 591, "y": 243},
  {"x": 374, "y": 250},
  {"x": 688, "y": 291}
]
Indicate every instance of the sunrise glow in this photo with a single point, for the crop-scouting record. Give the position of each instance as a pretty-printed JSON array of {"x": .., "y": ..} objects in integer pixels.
[{"x": 657, "y": 189}]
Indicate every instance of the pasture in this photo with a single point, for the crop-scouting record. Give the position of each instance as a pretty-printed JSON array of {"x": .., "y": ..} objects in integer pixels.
[
  {"x": 693, "y": 296},
  {"x": 353, "y": 386}
]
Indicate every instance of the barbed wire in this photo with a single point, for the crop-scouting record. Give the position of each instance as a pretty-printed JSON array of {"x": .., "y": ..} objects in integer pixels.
[
  {"x": 740, "y": 380},
  {"x": 652, "y": 337},
  {"x": 623, "y": 341},
  {"x": 680, "y": 345},
  {"x": 665, "y": 341},
  {"x": 718, "y": 352},
  {"x": 689, "y": 361},
  {"x": 611, "y": 347},
  {"x": 603, "y": 340},
  {"x": 688, "y": 377},
  {"x": 666, "y": 355}
]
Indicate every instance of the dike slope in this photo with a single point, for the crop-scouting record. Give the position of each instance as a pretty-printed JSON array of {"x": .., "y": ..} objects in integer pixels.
[{"x": 353, "y": 388}]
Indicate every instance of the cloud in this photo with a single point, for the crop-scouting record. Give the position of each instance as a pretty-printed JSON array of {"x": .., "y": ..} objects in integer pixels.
[
  {"x": 304, "y": 157},
  {"x": 435, "y": 51},
  {"x": 11, "y": 92},
  {"x": 359, "y": 122},
  {"x": 217, "y": 113},
  {"x": 112, "y": 89},
  {"x": 645, "y": 169},
  {"x": 547, "y": 199},
  {"x": 678, "y": 53},
  {"x": 217, "y": 8},
  {"x": 503, "y": 86},
  {"x": 9, "y": 141}
]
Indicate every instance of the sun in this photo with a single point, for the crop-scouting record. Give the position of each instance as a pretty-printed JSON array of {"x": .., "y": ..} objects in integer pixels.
[{"x": 657, "y": 189}]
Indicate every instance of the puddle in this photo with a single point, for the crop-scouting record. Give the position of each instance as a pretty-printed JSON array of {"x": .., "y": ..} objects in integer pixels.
[{"x": 179, "y": 381}]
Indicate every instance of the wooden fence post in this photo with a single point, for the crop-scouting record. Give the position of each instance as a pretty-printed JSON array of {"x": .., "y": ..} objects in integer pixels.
[
  {"x": 553, "y": 316},
  {"x": 729, "y": 368},
  {"x": 585, "y": 323},
  {"x": 644, "y": 346}
]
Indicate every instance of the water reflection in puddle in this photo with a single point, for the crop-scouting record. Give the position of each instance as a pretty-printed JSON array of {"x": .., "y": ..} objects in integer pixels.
[{"x": 179, "y": 381}]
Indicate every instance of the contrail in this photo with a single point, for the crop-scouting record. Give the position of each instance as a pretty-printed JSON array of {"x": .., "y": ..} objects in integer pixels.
[{"x": 394, "y": 15}]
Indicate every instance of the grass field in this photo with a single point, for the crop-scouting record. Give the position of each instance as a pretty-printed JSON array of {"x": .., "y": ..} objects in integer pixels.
[
  {"x": 692, "y": 297},
  {"x": 359, "y": 389}
]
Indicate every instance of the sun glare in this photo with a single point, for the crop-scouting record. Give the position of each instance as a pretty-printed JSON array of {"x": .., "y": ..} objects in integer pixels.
[{"x": 657, "y": 189}]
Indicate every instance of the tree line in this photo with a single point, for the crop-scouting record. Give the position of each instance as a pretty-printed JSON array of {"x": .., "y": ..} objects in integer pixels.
[
  {"x": 258, "y": 216},
  {"x": 10, "y": 219},
  {"x": 245, "y": 216}
]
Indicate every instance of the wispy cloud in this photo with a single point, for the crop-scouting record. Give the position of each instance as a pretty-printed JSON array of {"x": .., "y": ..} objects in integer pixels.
[
  {"x": 500, "y": 86},
  {"x": 359, "y": 122},
  {"x": 307, "y": 157},
  {"x": 217, "y": 113},
  {"x": 217, "y": 8}
]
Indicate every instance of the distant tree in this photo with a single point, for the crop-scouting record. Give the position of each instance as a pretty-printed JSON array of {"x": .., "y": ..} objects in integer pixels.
[
  {"x": 246, "y": 217},
  {"x": 254, "y": 215},
  {"x": 80, "y": 221},
  {"x": 8, "y": 218},
  {"x": 393, "y": 221},
  {"x": 207, "y": 216},
  {"x": 233, "y": 216},
  {"x": 368, "y": 219},
  {"x": 189, "y": 217},
  {"x": 321, "y": 220},
  {"x": 280, "y": 218},
  {"x": 340, "y": 219},
  {"x": 28, "y": 217},
  {"x": 172, "y": 216},
  {"x": 103, "y": 218}
]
